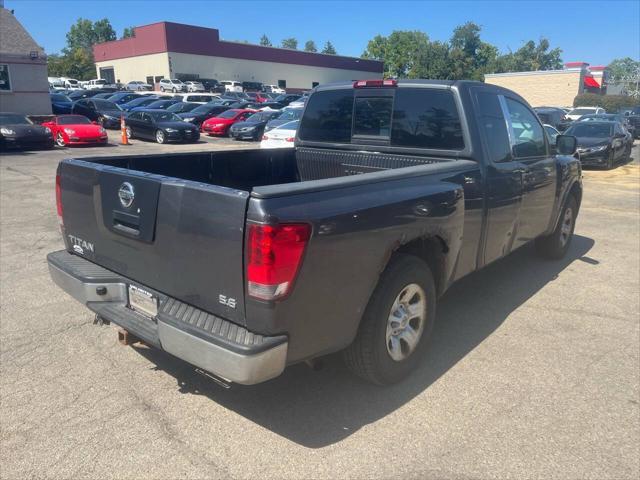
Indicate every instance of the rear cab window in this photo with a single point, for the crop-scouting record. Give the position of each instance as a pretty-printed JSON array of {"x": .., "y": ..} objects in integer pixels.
[{"x": 423, "y": 118}]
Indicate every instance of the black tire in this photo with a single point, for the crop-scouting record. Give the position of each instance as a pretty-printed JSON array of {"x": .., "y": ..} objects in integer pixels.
[
  {"x": 162, "y": 89},
  {"x": 610, "y": 161},
  {"x": 369, "y": 355},
  {"x": 555, "y": 246}
]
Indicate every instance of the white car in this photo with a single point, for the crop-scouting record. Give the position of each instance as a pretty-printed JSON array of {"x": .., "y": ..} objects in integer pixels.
[
  {"x": 95, "y": 84},
  {"x": 301, "y": 102},
  {"x": 137, "y": 86},
  {"x": 202, "y": 97},
  {"x": 194, "y": 86},
  {"x": 282, "y": 137},
  {"x": 232, "y": 86},
  {"x": 172, "y": 85},
  {"x": 576, "y": 113},
  {"x": 273, "y": 89}
]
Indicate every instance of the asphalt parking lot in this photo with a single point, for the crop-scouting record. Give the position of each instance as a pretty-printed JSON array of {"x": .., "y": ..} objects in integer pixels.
[{"x": 534, "y": 369}]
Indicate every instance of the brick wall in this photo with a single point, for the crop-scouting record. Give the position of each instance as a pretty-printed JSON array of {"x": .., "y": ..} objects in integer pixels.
[{"x": 553, "y": 89}]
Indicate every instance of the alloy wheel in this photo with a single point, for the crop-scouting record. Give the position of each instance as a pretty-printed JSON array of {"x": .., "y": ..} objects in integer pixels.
[{"x": 406, "y": 321}]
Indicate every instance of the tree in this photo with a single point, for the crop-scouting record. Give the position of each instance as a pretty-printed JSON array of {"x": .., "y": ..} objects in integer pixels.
[
  {"x": 434, "y": 62},
  {"x": 128, "y": 32},
  {"x": 529, "y": 57},
  {"x": 291, "y": 43},
  {"x": 625, "y": 72},
  {"x": 76, "y": 63},
  {"x": 84, "y": 34},
  {"x": 329, "y": 49},
  {"x": 399, "y": 51},
  {"x": 264, "y": 41},
  {"x": 310, "y": 46}
]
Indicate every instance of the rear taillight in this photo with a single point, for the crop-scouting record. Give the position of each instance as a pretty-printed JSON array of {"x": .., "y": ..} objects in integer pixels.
[
  {"x": 274, "y": 255},
  {"x": 375, "y": 83},
  {"x": 290, "y": 139},
  {"x": 58, "y": 196}
]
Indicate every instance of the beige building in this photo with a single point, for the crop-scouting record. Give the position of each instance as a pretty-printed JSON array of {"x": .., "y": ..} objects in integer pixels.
[
  {"x": 172, "y": 50},
  {"x": 23, "y": 70}
]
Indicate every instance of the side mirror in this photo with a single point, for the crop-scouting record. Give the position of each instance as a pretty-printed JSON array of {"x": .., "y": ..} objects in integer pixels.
[{"x": 566, "y": 144}]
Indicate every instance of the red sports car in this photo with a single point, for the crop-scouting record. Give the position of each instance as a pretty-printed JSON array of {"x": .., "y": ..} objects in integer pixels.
[
  {"x": 258, "y": 97},
  {"x": 76, "y": 130},
  {"x": 220, "y": 125}
]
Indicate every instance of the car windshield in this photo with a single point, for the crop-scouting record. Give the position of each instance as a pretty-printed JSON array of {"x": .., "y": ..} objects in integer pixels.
[
  {"x": 73, "y": 120},
  {"x": 14, "y": 119},
  {"x": 206, "y": 108},
  {"x": 289, "y": 126},
  {"x": 60, "y": 98},
  {"x": 165, "y": 117},
  {"x": 290, "y": 114},
  {"x": 182, "y": 107},
  {"x": 160, "y": 103},
  {"x": 590, "y": 130},
  {"x": 582, "y": 111},
  {"x": 229, "y": 114},
  {"x": 105, "y": 105},
  {"x": 259, "y": 117},
  {"x": 142, "y": 101},
  {"x": 175, "y": 80},
  {"x": 100, "y": 82}
]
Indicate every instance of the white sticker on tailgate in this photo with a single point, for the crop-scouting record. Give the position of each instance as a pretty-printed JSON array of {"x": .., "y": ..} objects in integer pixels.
[{"x": 142, "y": 301}]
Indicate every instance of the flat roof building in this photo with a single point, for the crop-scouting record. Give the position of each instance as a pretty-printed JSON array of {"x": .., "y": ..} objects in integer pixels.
[
  {"x": 23, "y": 70},
  {"x": 173, "y": 50}
]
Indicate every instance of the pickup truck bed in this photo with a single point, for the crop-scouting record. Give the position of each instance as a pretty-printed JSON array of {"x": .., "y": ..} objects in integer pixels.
[{"x": 257, "y": 259}]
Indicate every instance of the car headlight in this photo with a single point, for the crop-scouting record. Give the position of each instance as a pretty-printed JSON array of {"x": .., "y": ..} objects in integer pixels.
[
  {"x": 170, "y": 130},
  {"x": 599, "y": 149},
  {"x": 103, "y": 131},
  {"x": 189, "y": 119},
  {"x": 70, "y": 131},
  {"x": 7, "y": 131}
]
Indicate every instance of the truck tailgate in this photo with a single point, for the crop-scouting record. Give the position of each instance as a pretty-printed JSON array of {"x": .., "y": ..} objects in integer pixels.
[{"x": 179, "y": 237}]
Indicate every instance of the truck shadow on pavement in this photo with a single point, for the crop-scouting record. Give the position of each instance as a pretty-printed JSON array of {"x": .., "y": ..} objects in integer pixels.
[{"x": 316, "y": 409}]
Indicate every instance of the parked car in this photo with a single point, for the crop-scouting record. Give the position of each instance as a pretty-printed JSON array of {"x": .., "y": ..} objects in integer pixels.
[
  {"x": 193, "y": 86},
  {"x": 610, "y": 117},
  {"x": 253, "y": 105},
  {"x": 203, "y": 113},
  {"x": 172, "y": 85},
  {"x": 70, "y": 83},
  {"x": 60, "y": 103},
  {"x": 576, "y": 113},
  {"x": 158, "y": 104},
  {"x": 300, "y": 102},
  {"x": 282, "y": 136},
  {"x": 161, "y": 126},
  {"x": 95, "y": 84},
  {"x": 78, "y": 94},
  {"x": 633, "y": 117},
  {"x": 270, "y": 106},
  {"x": 253, "y": 127},
  {"x": 123, "y": 97},
  {"x": 251, "y": 86},
  {"x": 137, "y": 85},
  {"x": 220, "y": 124},
  {"x": 200, "y": 98},
  {"x": 182, "y": 107},
  {"x": 288, "y": 114},
  {"x": 258, "y": 97},
  {"x": 231, "y": 86},
  {"x": 237, "y": 96},
  {"x": 212, "y": 85},
  {"x": 224, "y": 101},
  {"x": 103, "y": 95},
  {"x": 142, "y": 101},
  {"x": 601, "y": 143},
  {"x": 286, "y": 255},
  {"x": 273, "y": 89},
  {"x": 553, "y": 116},
  {"x": 287, "y": 98},
  {"x": 104, "y": 112},
  {"x": 552, "y": 134},
  {"x": 70, "y": 130},
  {"x": 17, "y": 131}
]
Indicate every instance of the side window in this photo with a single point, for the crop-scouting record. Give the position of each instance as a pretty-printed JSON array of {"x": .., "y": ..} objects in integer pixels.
[
  {"x": 528, "y": 136},
  {"x": 494, "y": 126},
  {"x": 426, "y": 118},
  {"x": 134, "y": 116},
  {"x": 328, "y": 117}
]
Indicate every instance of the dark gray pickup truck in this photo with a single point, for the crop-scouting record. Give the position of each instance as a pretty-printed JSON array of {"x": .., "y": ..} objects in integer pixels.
[{"x": 244, "y": 262}]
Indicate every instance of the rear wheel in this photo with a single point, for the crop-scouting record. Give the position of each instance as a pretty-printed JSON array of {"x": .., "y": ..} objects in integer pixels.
[
  {"x": 160, "y": 136},
  {"x": 610, "y": 160},
  {"x": 60, "y": 140},
  {"x": 396, "y": 324},
  {"x": 128, "y": 132},
  {"x": 555, "y": 246},
  {"x": 174, "y": 90},
  {"x": 162, "y": 89}
]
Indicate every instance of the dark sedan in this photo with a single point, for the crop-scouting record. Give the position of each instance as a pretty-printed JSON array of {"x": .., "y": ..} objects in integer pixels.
[
  {"x": 104, "y": 112},
  {"x": 183, "y": 107},
  {"x": 123, "y": 97},
  {"x": 203, "y": 112},
  {"x": 161, "y": 126},
  {"x": 601, "y": 143},
  {"x": 18, "y": 131},
  {"x": 253, "y": 127},
  {"x": 253, "y": 105},
  {"x": 159, "y": 104},
  {"x": 286, "y": 98},
  {"x": 60, "y": 104},
  {"x": 556, "y": 117},
  {"x": 610, "y": 117},
  {"x": 143, "y": 101}
]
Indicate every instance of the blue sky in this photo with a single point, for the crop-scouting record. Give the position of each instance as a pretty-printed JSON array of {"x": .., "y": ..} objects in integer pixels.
[{"x": 592, "y": 31}]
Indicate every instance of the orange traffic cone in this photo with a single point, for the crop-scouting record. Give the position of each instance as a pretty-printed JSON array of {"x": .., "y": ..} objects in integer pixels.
[{"x": 123, "y": 131}]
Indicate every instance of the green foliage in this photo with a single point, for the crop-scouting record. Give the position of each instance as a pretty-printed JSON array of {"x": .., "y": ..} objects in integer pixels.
[
  {"x": 265, "y": 42},
  {"x": 85, "y": 34},
  {"x": 399, "y": 52},
  {"x": 623, "y": 68},
  {"x": 291, "y": 43},
  {"x": 75, "y": 64},
  {"x": 465, "y": 56},
  {"x": 310, "y": 46},
  {"x": 611, "y": 103},
  {"x": 128, "y": 32},
  {"x": 329, "y": 49}
]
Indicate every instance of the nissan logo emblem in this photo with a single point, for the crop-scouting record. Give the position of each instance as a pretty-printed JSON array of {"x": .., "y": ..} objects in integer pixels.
[{"x": 126, "y": 194}]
